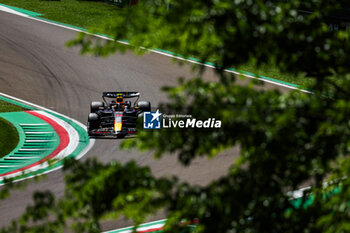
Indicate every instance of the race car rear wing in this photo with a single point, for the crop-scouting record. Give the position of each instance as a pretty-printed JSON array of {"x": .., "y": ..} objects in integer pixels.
[{"x": 126, "y": 94}]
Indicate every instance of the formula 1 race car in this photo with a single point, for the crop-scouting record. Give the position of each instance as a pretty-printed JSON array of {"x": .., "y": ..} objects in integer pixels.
[{"x": 117, "y": 117}]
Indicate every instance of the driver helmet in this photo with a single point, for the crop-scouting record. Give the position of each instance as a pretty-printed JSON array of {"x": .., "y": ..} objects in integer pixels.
[
  {"x": 119, "y": 98},
  {"x": 119, "y": 102}
]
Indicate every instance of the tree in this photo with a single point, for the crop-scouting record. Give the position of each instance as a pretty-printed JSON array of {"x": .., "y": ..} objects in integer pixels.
[{"x": 285, "y": 139}]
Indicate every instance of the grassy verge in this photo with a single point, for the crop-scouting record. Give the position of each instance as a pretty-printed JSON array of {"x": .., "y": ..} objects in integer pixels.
[
  {"x": 273, "y": 72},
  {"x": 6, "y": 107},
  {"x": 88, "y": 13},
  {"x": 8, "y": 137},
  {"x": 74, "y": 12},
  {"x": 8, "y": 133}
]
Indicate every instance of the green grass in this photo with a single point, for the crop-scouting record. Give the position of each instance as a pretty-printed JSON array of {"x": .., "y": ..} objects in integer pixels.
[
  {"x": 77, "y": 13},
  {"x": 8, "y": 133},
  {"x": 6, "y": 107},
  {"x": 8, "y": 137},
  {"x": 275, "y": 73},
  {"x": 87, "y": 14}
]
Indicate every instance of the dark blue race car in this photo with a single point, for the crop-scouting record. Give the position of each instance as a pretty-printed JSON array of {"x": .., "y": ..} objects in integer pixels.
[{"x": 116, "y": 117}]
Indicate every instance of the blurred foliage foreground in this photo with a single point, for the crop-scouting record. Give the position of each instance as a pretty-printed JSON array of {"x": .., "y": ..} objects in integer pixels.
[{"x": 286, "y": 139}]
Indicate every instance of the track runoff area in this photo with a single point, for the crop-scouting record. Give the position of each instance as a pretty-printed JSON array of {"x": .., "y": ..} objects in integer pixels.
[{"x": 46, "y": 138}]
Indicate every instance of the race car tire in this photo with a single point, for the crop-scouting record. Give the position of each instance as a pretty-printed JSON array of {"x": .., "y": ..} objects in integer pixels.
[
  {"x": 93, "y": 121},
  {"x": 96, "y": 105},
  {"x": 145, "y": 106}
]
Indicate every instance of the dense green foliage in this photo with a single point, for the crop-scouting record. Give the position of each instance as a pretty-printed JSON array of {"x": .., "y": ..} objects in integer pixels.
[
  {"x": 286, "y": 140},
  {"x": 8, "y": 137}
]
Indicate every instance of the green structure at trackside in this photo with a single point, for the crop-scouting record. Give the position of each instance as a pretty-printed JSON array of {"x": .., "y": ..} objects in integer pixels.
[
  {"x": 37, "y": 139},
  {"x": 40, "y": 126}
]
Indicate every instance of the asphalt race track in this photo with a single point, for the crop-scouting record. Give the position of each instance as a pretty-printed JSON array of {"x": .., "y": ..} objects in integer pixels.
[{"x": 37, "y": 67}]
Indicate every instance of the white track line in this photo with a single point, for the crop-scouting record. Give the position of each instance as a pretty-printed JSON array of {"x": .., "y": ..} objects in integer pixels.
[
  {"x": 8, "y": 10},
  {"x": 39, "y": 140},
  {"x": 37, "y": 149},
  {"x": 18, "y": 158},
  {"x": 34, "y": 132},
  {"x": 73, "y": 135},
  {"x": 155, "y": 225},
  {"x": 24, "y": 125}
]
